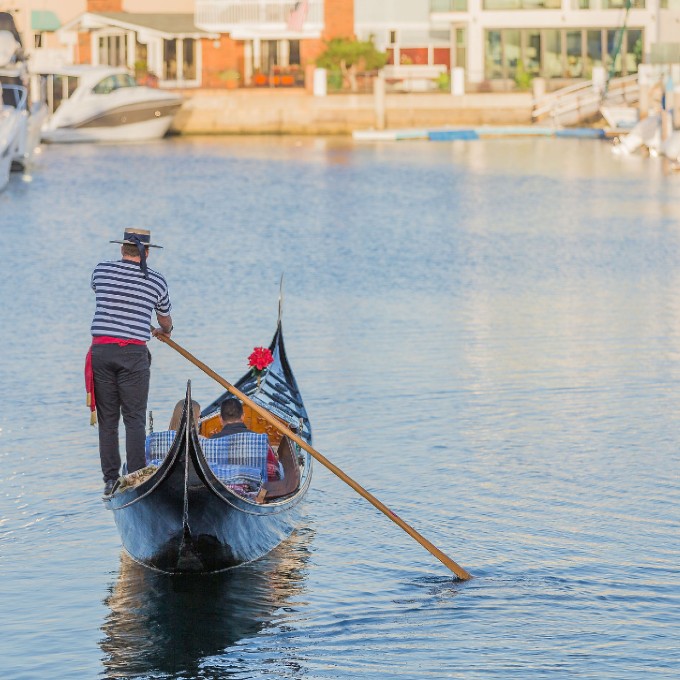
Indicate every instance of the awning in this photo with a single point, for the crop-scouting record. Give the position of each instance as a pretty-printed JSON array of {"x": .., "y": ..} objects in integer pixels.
[{"x": 44, "y": 20}]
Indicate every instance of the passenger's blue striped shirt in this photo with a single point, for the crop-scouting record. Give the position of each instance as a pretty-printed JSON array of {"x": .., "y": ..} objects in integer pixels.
[{"x": 126, "y": 300}]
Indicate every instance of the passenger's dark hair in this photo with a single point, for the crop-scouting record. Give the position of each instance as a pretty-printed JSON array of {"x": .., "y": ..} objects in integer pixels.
[{"x": 231, "y": 409}]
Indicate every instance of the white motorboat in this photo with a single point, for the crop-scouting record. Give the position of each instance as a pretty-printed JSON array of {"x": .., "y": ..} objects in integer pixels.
[
  {"x": 104, "y": 104},
  {"x": 10, "y": 138},
  {"x": 25, "y": 127}
]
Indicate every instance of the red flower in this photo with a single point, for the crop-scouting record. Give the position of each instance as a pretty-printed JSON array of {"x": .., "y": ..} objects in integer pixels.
[{"x": 260, "y": 358}]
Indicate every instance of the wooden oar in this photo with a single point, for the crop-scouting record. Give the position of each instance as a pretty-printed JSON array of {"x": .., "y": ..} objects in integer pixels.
[{"x": 444, "y": 559}]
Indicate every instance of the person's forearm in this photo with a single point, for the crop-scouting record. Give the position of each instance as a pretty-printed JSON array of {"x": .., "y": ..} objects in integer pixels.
[{"x": 165, "y": 322}]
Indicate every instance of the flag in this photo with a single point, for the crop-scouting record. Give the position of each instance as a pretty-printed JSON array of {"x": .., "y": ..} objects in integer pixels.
[{"x": 297, "y": 16}]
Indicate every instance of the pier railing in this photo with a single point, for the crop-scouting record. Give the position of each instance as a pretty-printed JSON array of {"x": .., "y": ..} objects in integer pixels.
[{"x": 577, "y": 103}]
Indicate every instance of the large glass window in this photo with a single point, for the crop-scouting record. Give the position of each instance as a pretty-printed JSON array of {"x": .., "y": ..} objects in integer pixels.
[
  {"x": 594, "y": 51},
  {"x": 494, "y": 55},
  {"x": 623, "y": 4},
  {"x": 575, "y": 54},
  {"x": 552, "y": 66},
  {"x": 448, "y": 5},
  {"x": 634, "y": 50},
  {"x": 560, "y": 53},
  {"x": 532, "y": 51},
  {"x": 614, "y": 45},
  {"x": 521, "y": 4},
  {"x": 513, "y": 51}
]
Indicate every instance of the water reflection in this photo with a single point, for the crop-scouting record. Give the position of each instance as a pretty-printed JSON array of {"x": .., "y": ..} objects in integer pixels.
[{"x": 169, "y": 626}]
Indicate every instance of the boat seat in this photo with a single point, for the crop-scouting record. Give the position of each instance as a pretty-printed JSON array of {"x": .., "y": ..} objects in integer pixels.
[
  {"x": 291, "y": 472},
  {"x": 244, "y": 449},
  {"x": 157, "y": 446},
  {"x": 239, "y": 476}
]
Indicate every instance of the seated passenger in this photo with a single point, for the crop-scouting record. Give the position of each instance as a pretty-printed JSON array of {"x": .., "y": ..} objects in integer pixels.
[
  {"x": 231, "y": 417},
  {"x": 158, "y": 443}
]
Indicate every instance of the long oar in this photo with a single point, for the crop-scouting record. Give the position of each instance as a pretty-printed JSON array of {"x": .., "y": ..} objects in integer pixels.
[{"x": 444, "y": 559}]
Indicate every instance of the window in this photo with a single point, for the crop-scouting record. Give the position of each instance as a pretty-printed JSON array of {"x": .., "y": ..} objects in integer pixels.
[
  {"x": 614, "y": 44},
  {"x": 461, "y": 47},
  {"x": 634, "y": 48},
  {"x": 512, "y": 51},
  {"x": 522, "y": 4},
  {"x": 113, "y": 50},
  {"x": 115, "y": 82},
  {"x": 561, "y": 53},
  {"x": 532, "y": 52},
  {"x": 448, "y": 5},
  {"x": 574, "y": 54},
  {"x": 38, "y": 40},
  {"x": 294, "y": 53},
  {"x": 189, "y": 61},
  {"x": 552, "y": 68},
  {"x": 622, "y": 4},
  {"x": 494, "y": 55},
  {"x": 594, "y": 50},
  {"x": 170, "y": 59},
  {"x": 393, "y": 37}
]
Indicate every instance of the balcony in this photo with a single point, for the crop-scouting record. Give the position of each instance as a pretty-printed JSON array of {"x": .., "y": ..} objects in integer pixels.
[{"x": 229, "y": 16}]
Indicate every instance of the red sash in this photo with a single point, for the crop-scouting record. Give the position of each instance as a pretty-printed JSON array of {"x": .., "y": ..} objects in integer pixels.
[{"x": 89, "y": 375}]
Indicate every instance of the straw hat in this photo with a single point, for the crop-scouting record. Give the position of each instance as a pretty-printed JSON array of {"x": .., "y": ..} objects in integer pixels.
[{"x": 143, "y": 234}]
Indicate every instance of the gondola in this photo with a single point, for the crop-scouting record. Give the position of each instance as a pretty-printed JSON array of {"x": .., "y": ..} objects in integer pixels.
[{"x": 183, "y": 519}]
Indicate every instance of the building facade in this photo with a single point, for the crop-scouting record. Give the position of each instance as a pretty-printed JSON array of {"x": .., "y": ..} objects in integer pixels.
[
  {"x": 275, "y": 41},
  {"x": 560, "y": 40},
  {"x": 405, "y": 30}
]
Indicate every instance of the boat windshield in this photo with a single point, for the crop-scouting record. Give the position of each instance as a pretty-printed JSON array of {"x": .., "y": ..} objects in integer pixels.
[{"x": 115, "y": 82}]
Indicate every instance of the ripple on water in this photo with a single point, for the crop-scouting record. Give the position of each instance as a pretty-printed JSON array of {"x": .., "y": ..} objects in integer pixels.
[{"x": 486, "y": 338}]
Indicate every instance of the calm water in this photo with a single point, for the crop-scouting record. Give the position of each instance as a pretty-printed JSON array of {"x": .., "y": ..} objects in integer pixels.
[{"x": 487, "y": 336}]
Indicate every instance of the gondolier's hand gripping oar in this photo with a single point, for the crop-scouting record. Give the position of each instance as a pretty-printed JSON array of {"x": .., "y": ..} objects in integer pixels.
[{"x": 444, "y": 559}]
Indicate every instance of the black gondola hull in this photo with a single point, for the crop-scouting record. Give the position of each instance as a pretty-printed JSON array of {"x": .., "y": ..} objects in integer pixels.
[
  {"x": 212, "y": 539},
  {"x": 184, "y": 520}
]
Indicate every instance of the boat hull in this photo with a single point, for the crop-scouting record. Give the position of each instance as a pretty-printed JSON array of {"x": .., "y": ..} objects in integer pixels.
[
  {"x": 116, "y": 127},
  {"x": 10, "y": 139},
  {"x": 218, "y": 531},
  {"x": 182, "y": 519}
]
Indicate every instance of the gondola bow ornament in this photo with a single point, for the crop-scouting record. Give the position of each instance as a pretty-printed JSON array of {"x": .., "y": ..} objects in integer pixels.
[{"x": 259, "y": 359}]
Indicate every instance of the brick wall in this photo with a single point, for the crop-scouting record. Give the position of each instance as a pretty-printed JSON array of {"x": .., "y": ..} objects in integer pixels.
[
  {"x": 339, "y": 23},
  {"x": 339, "y": 19},
  {"x": 83, "y": 49},
  {"x": 310, "y": 50},
  {"x": 228, "y": 55},
  {"x": 104, "y": 5}
]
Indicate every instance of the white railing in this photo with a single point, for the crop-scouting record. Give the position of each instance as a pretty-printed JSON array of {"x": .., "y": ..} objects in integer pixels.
[
  {"x": 223, "y": 14},
  {"x": 583, "y": 100}
]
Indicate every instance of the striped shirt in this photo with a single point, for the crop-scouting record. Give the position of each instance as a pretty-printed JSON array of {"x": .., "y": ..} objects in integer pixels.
[{"x": 125, "y": 300}]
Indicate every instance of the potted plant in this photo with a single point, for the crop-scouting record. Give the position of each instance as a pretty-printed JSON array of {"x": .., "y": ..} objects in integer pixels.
[{"x": 230, "y": 78}]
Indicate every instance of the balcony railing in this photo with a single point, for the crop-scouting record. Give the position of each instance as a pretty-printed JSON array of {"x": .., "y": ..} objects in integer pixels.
[{"x": 223, "y": 14}]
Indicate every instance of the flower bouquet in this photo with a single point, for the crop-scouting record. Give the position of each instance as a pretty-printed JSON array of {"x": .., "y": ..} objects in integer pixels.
[{"x": 259, "y": 359}]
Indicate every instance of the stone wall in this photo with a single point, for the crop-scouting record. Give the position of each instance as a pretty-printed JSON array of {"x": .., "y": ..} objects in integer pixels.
[{"x": 296, "y": 112}]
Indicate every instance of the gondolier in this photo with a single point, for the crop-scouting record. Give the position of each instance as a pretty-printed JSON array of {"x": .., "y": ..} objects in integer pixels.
[{"x": 118, "y": 368}]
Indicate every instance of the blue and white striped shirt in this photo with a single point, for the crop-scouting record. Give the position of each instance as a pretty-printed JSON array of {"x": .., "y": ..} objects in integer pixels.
[{"x": 125, "y": 300}]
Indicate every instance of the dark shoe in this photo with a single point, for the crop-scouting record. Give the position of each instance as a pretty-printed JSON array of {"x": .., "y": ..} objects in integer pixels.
[{"x": 108, "y": 487}]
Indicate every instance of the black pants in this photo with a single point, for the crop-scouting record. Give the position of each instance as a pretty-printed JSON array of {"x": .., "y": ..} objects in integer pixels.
[{"x": 121, "y": 386}]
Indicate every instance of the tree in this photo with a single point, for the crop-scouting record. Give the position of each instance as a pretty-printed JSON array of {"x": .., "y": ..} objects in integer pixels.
[{"x": 349, "y": 57}]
